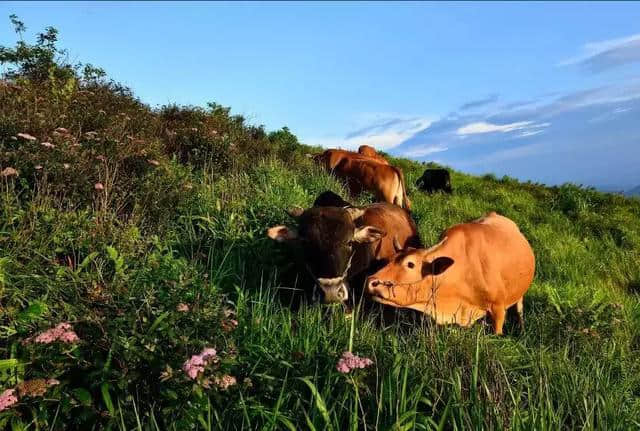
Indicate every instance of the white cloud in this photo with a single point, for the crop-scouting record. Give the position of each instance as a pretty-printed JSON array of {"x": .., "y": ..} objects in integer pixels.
[
  {"x": 607, "y": 53},
  {"x": 423, "y": 151},
  {"x": 383, "y": 135},
  {"x": 484, "y": 127}
]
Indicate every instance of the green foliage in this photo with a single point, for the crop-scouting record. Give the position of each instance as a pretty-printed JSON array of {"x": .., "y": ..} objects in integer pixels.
[{"x": 188, "y": 193}]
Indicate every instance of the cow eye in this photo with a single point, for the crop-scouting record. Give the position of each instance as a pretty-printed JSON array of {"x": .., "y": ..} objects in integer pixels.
[{"x": 411, "y": 265}]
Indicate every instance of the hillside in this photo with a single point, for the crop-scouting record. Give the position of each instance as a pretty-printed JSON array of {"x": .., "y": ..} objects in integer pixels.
[
  {"x": 144, "y": 230},
  {"x": 633, "y": 192}
]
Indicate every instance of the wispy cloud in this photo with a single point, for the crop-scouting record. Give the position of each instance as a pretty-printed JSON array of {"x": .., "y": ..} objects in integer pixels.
[
  {"x": 607, "y": 54},
  {"x": 479, "y": 103},
  {"x": 486, "y": 127},
  {"x": 383, "y": 134},
  {"x": 423, "y": 151}
]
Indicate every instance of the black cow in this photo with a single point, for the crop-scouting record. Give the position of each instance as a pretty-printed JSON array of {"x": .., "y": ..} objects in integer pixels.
[
  {"x": 434, "y": 180},
  {"x": 338, "y": 243}
]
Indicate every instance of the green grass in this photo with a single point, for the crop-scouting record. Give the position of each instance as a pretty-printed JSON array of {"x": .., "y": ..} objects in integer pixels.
[{"x": 191, "y": 230}]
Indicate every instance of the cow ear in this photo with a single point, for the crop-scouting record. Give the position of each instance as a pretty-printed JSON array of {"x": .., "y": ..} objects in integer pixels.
[
  {"x": 282, "y": 233},
  {"x": 295, "y": 212},
  {"x": 437, "y": 266},
  {"x": 355, "y": 213},
  {"x": 368, "y": 234}
]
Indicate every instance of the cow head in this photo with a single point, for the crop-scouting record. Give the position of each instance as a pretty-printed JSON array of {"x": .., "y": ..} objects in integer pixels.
[
  {"x": 329, "y": 238},
  {"x": 408, "y": 279}
]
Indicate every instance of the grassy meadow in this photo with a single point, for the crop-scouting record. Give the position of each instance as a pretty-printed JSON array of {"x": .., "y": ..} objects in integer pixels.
[{"x": 144, "y": 229}]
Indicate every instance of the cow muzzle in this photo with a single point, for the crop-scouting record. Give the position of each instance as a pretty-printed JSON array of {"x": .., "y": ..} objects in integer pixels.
[
  {"x": 380, "y": 288},
  {"x": 335, "y": 290}
]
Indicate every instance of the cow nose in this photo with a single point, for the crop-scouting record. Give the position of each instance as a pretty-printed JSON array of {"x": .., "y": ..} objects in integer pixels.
[{"x": 372, "y": 284}]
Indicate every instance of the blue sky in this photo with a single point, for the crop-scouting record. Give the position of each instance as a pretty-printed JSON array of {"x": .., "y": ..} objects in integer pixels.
[{"x": 542, "y": 91}]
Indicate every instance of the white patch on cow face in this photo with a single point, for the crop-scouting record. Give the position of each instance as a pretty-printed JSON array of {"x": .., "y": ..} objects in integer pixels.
[
  {"x": 334, "y": 289},
  {"x": 282, "y": 233},
  {"x": 368, "y": 234}
]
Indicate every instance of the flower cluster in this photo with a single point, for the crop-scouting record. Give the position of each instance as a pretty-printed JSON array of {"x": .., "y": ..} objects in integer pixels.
[
  {"x": 182, "y": 308},
  {"x": 225, "y": 382},
  {"x": 194, "y": 366},
  {"x": 63, "y": 332},
  {"x": 349, "y": 362},
  {"x": 28, "y": 388},
  {"x": 7, "y": 399}
]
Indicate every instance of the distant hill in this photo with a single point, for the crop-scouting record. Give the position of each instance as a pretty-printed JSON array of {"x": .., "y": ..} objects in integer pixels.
[{"x": 633, "y": 192}]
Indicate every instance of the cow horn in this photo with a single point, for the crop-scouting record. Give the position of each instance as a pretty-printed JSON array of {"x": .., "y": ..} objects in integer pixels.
[
  {"x": 396, "y": 244},
  {"x": 355, "y": 213},
  {"x": 295, "y": 212}
]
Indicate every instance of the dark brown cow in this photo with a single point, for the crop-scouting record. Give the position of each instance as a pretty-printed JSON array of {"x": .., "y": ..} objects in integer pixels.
[
  {"x": 339, "y": 243},
  {"x": 371, "y": 152},
  {"x": 385, "y": 181},
  {"x": 482, "y": 267}
]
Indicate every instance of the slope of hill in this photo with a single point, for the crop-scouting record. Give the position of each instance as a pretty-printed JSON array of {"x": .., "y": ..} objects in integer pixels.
[
  {"x": 633, "y": 192},
  {"x": 144, "y": 230}
]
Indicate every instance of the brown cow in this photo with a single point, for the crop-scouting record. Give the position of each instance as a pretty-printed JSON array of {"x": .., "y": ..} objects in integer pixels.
[
  {"x": 481, "y": 267},
  {"x": 330, "y": 158},
  {"x": 371, "y": 152},
  {"x": 385, "y": 181},
  {"x": 338, "y": 243}
]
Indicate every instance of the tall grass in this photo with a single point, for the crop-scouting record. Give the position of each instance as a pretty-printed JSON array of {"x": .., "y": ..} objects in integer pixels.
[{"x": 189, "y": 228}]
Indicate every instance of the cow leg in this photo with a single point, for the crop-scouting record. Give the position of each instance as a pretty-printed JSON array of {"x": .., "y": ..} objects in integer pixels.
[
  {"x": 520, "y": 309},
  {"x": 498, "y": 313}
]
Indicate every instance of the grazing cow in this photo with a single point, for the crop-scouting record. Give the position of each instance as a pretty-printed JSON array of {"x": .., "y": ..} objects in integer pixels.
[
  {"x": 385, "y": 181},
  {"x": 371, "y": 152},
  {"x": 433, "y": 180},
  {"x": 339, "y": 243},
  {"x": 481, "y": 267}
]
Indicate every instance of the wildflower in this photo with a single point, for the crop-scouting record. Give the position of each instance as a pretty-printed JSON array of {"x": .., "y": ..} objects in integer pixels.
[
  {"x": 225, "y": 382},
  {"x": 101, "y": 158},
  {"x": 38, "y": 167},
  {"x": 66, "y": 165},
  {"x": 52, "y": 382},
  {"x": 98, "y": 186},
  {"x": 349, "y": 362},
  {"x": 7, "y": 399},
  {"x": 62, "y": 130},
  {"x": 247, "y": 382},
  {"x": 63, "y": 332},
  {"x": 91, "y": 134},
  {"x": 183, "y": 308},
  {"x": 194, "y": 366},
  {"x": 47, "y": 145},
  {"x": 153, "y": 162},
  {"x": 9, "y": 172},
  {"x": 26, "y": 136}
]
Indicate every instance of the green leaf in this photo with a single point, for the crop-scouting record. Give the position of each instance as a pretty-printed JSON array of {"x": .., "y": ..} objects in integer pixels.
[
  {"x": 320, "y": 405},
  {"x": 33, "y": 312},
  {"x": 106, "y": 397},
  {"x": 158, "y": 321},
  {"x": 83, "y": 396}
]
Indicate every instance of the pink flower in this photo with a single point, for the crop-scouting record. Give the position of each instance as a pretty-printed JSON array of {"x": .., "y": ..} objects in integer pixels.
[
  {"x": 98, "y": 186},
  {"x": 101, "y": 158},
  {"x": 53, "y": 382},
  {"x": 194, "y": 366},
  {"x": 7, "y": 399},
  {"x": 183, "y": 308},
  {"x": 63, "y": 332},
  {"x": 47, "y": 144},
  {"x": 26, "y": 136},
  {"x": 69, "y": 337},
  {"x": 62, "y": 130},
  {"x": 349, "y": 362},
  {"x": 38, "y": 167},
  {"x": 9, "y": 172}
]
